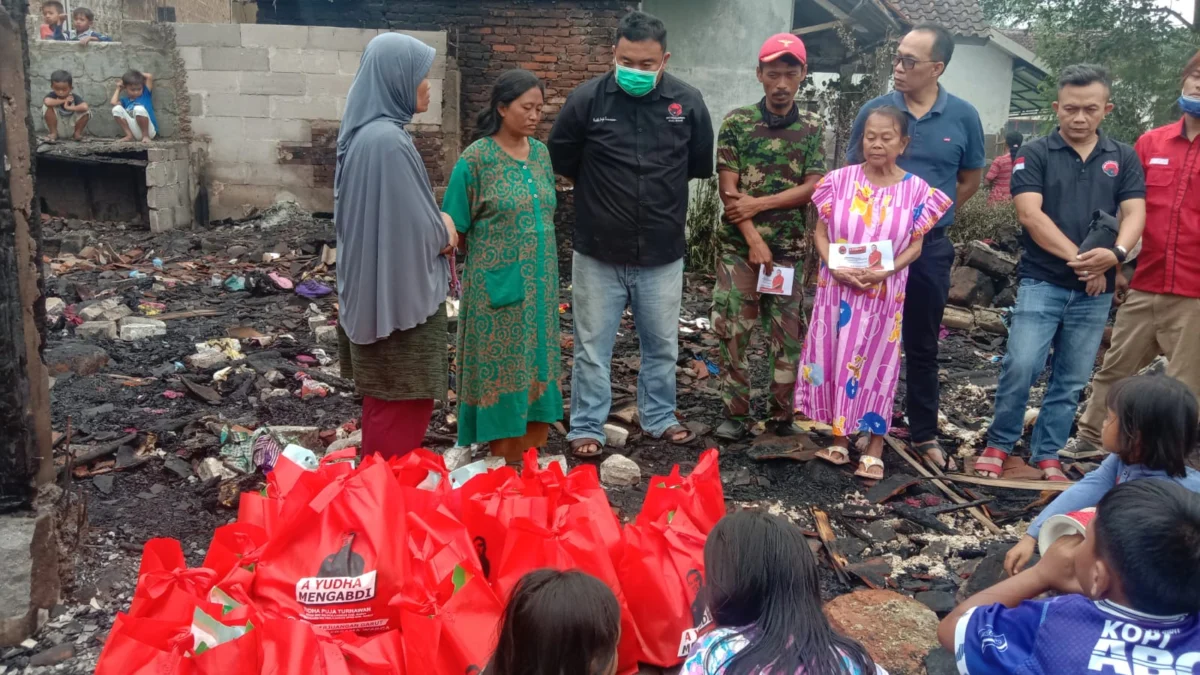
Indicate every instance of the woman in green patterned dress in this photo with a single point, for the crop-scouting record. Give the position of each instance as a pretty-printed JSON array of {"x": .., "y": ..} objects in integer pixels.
[{"x": 501, "y": 197}]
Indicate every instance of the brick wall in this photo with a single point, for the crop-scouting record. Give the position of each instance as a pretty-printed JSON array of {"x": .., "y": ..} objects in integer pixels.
[
  {"x": 565, "y": 42},
  {"x": 266, "y": 103}
]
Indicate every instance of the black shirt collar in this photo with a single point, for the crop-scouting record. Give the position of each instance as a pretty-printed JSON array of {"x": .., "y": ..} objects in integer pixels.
[
  {"x": 1104, "y": 143},
  {"x": 667, "y": 87}
]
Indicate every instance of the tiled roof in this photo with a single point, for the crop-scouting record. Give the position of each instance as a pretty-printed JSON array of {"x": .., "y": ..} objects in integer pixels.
[
  {"x": 961, "y": 17},
  {"x": 1022, "y": 37}
]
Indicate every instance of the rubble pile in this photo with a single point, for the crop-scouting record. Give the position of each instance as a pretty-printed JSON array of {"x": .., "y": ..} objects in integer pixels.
[{"x": 982, "y": 287}]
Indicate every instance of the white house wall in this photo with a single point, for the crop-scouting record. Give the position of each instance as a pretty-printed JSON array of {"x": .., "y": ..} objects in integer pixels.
[{"x": 982, "y": 75}]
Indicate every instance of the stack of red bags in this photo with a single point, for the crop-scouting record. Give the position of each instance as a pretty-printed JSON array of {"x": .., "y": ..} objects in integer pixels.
[{"x": 384, "y": 569}]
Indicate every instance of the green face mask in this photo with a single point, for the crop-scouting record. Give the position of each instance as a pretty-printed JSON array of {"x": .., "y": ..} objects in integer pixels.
[{"x": 636, "y": 82}]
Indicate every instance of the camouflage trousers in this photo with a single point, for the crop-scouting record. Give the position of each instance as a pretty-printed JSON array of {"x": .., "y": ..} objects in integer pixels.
[{"x": 737, "y": 307}]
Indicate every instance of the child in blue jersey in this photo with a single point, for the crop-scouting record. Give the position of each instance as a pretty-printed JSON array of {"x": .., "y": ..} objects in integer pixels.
[
  {"x": 1131, "y": 603},
  {"x": 133, "y": 107},
  {"x": 1150, "y": 431}
]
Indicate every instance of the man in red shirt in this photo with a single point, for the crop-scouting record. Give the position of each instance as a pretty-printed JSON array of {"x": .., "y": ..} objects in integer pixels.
[{"x": 1162, "y": 311}]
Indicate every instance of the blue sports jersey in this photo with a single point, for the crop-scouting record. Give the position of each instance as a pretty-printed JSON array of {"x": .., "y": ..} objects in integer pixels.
[{"x": 1072, "y": 634}]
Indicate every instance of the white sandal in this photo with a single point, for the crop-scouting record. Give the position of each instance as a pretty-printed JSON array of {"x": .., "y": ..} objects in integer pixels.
[{"x": 865, "y": 464}]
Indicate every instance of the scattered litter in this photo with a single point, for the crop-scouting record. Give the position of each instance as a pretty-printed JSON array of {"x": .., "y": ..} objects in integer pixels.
[
  {"x": 235, "y": 283},
  {"x": 313, "y": 289}
]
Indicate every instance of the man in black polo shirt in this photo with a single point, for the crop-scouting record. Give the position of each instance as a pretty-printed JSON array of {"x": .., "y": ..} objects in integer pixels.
[
  {"x": 630, "y": 139},
  {"x": 1058, "y": 182}
]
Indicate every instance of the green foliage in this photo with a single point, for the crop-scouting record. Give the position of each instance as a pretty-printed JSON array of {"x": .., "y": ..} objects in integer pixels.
[
  {"x": 1143, "y": 45},
  {"x": 976, "y": 219},
  {"x": 703, "y": 220},
  {"x": 841, "y": 97}
]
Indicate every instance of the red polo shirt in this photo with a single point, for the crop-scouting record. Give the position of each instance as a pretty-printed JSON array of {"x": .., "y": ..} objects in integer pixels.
[{"x": 1170, "y": 259}]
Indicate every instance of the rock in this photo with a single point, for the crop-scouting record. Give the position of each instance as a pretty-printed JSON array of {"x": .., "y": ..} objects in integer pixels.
[
  {"x": 455, "y": 458},
  {"x": 178, "y": 467},
  {"x": 305, "y": 437},
  {"x": 326, "y": 335},
  {"x": 116, "y": 313},
  {"x": 236, "y": 251},
  {"x": 628, "y": 414},
  {"x": 615, "y": 435},
  {"x": 957, "y": 318},
  {"x": 53, "y": 656},
  {"x": 29, "y": 583},
  {"x": 620, "y": 470},
  {"x": 987, "y": 259},
  {"x": 212, "y": 468},
  {"x": 96, "y": 310},
  {"x": 942, "y": 602},
  {"x": 699, "y": 428},
  {"x": 991, "y": 321},
  {"x": 317, "y": 321},
  {"x": 881, "y": 531},
  {"x": 75, "y": 357},
  {"x": 275, "y": 377},
  {"x": 54, "y": 309},
  {"x": 141, "y": 327},
  {"x": 896, "y": 630},
  {"x": 969, "y": 288},
  {"x": 104, "y": 483},
  {"x": 937, "y": 550},
  {"x": 97, "y": 411},
  {"x": 940, "y": 662},
  {"x": 1006, "y": 297},
  {"x": 545, "y": 462},
  {"x": 157, "y": 488},
  {"x": 207, "y": 360},
  {"x": 210, "y": 244},
  {"x": 73, "y": 242},
  {"x": 850, "y": 547},
  {"x": 354, "y": 440},
  {"x": 97, "y": 329}
]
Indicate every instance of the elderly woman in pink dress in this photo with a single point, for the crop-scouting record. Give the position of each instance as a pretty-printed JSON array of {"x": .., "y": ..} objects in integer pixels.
[{"x": 851, "y": 358}]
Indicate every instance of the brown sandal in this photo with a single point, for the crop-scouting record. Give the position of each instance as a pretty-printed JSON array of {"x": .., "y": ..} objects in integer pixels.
[
  {"x": 578, "y": 445},
  {"x": 669, "y": 434}
]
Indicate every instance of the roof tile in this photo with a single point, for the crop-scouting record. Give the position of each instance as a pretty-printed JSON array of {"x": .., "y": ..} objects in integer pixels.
[{"x": 961, "y": 17}]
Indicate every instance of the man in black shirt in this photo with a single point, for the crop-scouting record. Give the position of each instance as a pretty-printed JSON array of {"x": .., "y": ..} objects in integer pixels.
[
  {"x": 630, "y": 139},
  {"x": 1062, "y": 184}
]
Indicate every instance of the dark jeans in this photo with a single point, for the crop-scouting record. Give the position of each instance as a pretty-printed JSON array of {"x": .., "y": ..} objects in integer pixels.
[{"x": 924, "y": 302}]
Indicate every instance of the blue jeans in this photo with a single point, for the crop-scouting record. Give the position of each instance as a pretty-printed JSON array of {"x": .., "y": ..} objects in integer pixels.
[
  {"x": 601, "y": 292},
  {"x": 1047, "y": 316}
]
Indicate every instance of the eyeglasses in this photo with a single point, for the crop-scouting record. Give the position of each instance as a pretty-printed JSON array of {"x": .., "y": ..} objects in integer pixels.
[{"x": 907, "y": 61}]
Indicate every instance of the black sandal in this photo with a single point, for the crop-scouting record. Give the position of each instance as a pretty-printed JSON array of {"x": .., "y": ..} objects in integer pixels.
[
  {"x": 947, "y": 465},
  {"x": 579, "y": 444},
  {"x": 732, "y": 431}
]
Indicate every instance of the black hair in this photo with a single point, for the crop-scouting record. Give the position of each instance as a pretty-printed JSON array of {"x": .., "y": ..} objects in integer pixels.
[
  {"x": 1083, "y": 74},
  {"x": 558, "y": 622},
  {"x": 84, "y": 12},
  {"x": 510, "y": 86},
  {"x": 639, "y": 26},
  {"x": 1192, "y": 66},
  {"x": 943, "y": 41},
  {"x": 53, "y": 3},
  {"x": 786, "y": 59},
  {"x": 133, "y": 77},
  {"x": 1013, "y": 140},
  {"x": 762, "y": 575},
  {"x": 1157, "y": 416},
  {"x": 1148, "y": 532},
  {"x": 896, "y": 115},
  {"x": 61, "y": 77}
]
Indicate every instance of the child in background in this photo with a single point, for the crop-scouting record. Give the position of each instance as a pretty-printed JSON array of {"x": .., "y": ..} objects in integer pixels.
[
  {"x": 556, "y": 623},
  {"x": 1133, "y": 603},
  {"x": 63, "y": 106},
  {"x": 1150, "y": 430},
  {"x": 54, "y": 21},
  {"x": 765, "y": 597},
  {"x": 134, "y": 108},
  {"x": 82, "y": 17}
]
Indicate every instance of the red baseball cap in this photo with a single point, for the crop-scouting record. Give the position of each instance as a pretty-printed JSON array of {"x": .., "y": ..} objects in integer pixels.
[{"x": 783, "y": 43}]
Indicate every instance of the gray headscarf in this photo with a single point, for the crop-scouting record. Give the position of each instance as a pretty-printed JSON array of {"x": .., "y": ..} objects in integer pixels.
[{"x": 391, "y": 276}]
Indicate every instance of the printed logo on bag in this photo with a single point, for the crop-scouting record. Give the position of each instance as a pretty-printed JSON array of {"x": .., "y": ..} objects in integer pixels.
[
  {"x": 1111, "y": 168},
  {"x": 675, "y": 113},
  {"x": 686, "y": 641},
  {"x": 340, "y": 579}
]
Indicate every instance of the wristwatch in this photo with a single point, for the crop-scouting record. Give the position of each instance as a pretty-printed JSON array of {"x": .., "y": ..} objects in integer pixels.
[{"x": 1120, "y": 252}]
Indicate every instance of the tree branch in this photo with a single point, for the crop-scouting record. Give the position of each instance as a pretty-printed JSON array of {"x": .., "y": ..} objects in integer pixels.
[{"x": 1182, "y": 19}]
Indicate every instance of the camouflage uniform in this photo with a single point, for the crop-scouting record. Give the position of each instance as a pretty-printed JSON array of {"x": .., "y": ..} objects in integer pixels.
[{"x": 768, "y": 161}]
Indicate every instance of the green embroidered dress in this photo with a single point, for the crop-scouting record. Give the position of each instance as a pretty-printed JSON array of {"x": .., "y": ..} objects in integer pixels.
[{"x": 508, "y": 354}]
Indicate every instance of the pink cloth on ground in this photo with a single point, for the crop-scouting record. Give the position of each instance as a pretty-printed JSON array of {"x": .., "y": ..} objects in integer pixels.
[{"x": 851, "y": 359}]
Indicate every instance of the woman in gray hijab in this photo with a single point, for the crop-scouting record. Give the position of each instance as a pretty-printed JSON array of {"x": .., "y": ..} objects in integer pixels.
[{"x": 392, "y": 241}]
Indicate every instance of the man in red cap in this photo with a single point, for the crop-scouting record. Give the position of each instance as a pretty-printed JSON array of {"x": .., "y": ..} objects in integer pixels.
[{"x": 770, "y": 157}]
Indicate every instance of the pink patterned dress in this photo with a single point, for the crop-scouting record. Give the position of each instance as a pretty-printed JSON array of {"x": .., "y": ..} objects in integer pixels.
[{"x": 851, "y": 361}]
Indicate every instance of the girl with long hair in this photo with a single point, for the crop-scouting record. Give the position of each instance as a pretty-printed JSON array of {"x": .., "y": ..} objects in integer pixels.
[{"x": 999, "y": 175}]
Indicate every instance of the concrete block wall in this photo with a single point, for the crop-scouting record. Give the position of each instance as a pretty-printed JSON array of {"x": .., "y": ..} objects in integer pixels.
[
  {"x": 97, "y": 68},
  {"x": 169, "y": 186},
  {"x": 266, "y": 102}
]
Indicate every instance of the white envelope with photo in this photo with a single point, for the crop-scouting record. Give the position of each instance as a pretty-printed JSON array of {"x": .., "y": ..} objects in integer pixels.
[{"x": 871, "y": 255}]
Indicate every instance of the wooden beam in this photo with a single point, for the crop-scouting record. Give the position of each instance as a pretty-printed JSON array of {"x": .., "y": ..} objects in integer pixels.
[
  {"x": 832, "y": 9},
  {"x": 1010, "y": 483},
  {"x": 809, "y": 30},
  {"x": 945, "y": 489}
]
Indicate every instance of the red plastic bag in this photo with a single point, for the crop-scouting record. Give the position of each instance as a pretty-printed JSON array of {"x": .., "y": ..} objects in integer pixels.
[
  {"x": 259, "y": 510},
  {"x": 237, "y": 657},
  {"x": 231, "y": 545},
  {"x": 489, "y": 503},
  {"x": 340, "y": 559},
  {"x": 297, "y": 648},
  {"x": 286, "y": 473},
  {"x": 145, "y": 646},
  {"x": 662, "y": 574},
  {"x": 699, "y": 495},
  {"x": 572, "y": 542},
  {"x": 423, "y": 480},
  {"x": 166, "y": 589},
  {"x": 458, "y": 637}
]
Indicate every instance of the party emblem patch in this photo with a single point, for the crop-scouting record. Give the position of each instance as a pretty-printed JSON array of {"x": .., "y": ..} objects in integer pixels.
[{"x": 1111, "y": 169}]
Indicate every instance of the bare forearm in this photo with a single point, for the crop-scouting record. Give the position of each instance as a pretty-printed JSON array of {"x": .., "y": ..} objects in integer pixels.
[
  {"x": 1133, "y": 222},
  {"x": 821, "y": 241},
  {"x": 1047, "y": 235},
  {"x": 910, "y": 254},
  {"x": 964, "y": 191},
  {"x": 791, "y": 198},
  {"x": 1009, "y": 592}
]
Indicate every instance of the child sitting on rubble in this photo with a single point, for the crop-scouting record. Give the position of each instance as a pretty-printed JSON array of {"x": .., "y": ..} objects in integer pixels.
[
  {"x": 1150, "y": 431},
  {"x": 82, "y": 17},
  {"x": 558, "y": 622},
  {"x": 1132, "y": 602},
  {"x": 765, "y": 599},
  {"x": 63, "y": 106},
  {"x": 134, "y": 108},
  {"x": 54, "y": 21}
]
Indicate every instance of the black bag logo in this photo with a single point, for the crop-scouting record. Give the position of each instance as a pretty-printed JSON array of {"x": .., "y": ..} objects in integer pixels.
[{"x": 344, "y": 563}]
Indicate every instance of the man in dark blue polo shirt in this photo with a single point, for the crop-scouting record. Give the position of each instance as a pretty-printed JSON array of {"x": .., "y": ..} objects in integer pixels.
[
  {"x": 1061, "y": 184},
  {"x": 946, "y": 150}
]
